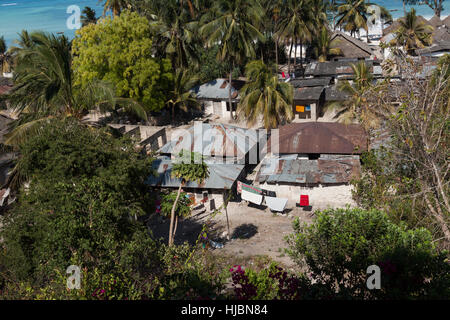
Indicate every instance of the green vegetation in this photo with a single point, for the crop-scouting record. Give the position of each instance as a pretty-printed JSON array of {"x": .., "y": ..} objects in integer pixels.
[
  {"x": 119, "y": 51},
  {"x": 341, "y": 244}
]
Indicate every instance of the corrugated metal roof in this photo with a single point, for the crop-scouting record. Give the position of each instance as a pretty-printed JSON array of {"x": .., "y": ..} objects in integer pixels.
[
  {"x": 221, "y": 175},
  {"x": 333, "y": 68},
  {"x": 308, "y": 93},
  {"x": 216, "y": 139},
  {"x": 218, "y": 90},
  {"x": 312, "y": 82},
  {"x": 321, "y": 138},
  {"x": 326, "y": 170}
]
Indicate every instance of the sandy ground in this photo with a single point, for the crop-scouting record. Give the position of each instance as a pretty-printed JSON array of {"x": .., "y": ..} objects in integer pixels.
[{"x": 255, "y": 231}]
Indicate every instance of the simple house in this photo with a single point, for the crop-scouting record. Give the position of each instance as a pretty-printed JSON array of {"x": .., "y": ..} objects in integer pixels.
[
  {"x": 315, "y": 158},
  {"x": 340, "y": 69},
  {"x": 436, "y": 50},
  {"x": 215, "y": 96},
  {"x": 227, "y": 150},
  {"x": 353, "y": 49},
  {"x": 150, "y": 137},
  {"x": 309, "y": 97}
]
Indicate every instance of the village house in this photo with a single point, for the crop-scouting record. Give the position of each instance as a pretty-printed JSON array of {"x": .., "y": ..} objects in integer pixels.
[
  {"x": 214, "y": 97},
  {"x": 230, "y": 153},
  {"x": 318, "y": 159},
  {"x": 354, "y": 49}
]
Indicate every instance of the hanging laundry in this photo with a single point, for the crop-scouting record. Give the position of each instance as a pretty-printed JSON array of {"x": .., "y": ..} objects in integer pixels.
[
  {"x": 249, "y": 188},
  {"x": 252, "y": 197},
  {"x": 276, "y": 204}
]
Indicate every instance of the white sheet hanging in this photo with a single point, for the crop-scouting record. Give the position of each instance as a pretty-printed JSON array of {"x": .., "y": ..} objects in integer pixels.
[
  {"x": 276, "y": 204},
  {"x": 252, "y": 197}
]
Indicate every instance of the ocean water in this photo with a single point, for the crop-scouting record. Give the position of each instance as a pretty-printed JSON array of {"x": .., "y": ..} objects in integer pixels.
[
  {"x": 51, "y": 16},
  {"x": 45, "y": 15}
]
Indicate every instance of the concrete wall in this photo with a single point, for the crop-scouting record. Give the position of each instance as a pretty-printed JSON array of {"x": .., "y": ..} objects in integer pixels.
[
  {"x": 218, "y": 108},
  {"x": 320, "y": 197}
]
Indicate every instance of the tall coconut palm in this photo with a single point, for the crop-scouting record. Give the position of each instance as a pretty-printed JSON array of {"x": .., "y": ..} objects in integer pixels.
[
  {"x": 5, "y": 57},
  {"x": 174, "y": 35},
  {"x": 187, "y": 169},
  {"x": 181, "y": 96},
  {"x": 324, "y": 48},
  {"x": 296, "y": 24},
  {"x": 413, "y": 33},
  {"x": 235, "y": 30},
  {"x": 265, "y": 96},
  {"x": 353, "y": 15},
  {"x": 88, "y": 16},
  {"x": 43, "y": 87}
]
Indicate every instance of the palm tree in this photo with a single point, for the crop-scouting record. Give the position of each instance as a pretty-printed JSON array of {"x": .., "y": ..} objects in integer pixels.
[
  {"x": 186, "y": 170},
  {"x": 324, "y": 47},
  {"x": 235, "y": 30},
  {"x": 353, "y": 15},
  {"x": 88, "y": 16},
  {"x": 5, "y": 56},
  {"x": 413, "y": 33},
  {"x": 357, "y": 108},
  {"x": 181, "y": 96},
  {"x": 296, "y": 23},
  {"x": 265, "y": 95},
  {"x": 116, "y": 6},
  {"x": 43, "y": 87},
  {"x": 175, "y": 36}
]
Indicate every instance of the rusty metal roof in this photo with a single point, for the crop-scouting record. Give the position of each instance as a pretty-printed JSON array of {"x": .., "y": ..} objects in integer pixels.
[
  {"x": 322, "y": 138},
  {"x": 326, "y": 170},
  {"x": 221, "y": 175},
  {"x": 215, "y": 139}
]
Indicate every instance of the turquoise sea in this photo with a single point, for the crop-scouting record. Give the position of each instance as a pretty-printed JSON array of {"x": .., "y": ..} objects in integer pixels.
[{"x": 51, "y": 16}]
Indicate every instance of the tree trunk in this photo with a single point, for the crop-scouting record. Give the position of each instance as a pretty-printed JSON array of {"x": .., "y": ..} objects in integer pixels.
[
  {"x": 367, "y": 32},
  {"x": 276, "y": 54},
  {"x": 295, "y": 54},
  {"x": 229, "y": 93},
  {"x": 301, "y": 52},
  {"x": 172, "y": 215},
  {"x": 226, "y": 213},
  {"x": 175, "y": 228},
  {"x": 173, "y": 113},
  {"x": 289, "y": 62}
]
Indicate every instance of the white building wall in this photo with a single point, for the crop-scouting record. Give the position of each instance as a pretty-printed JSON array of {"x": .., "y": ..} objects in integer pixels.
[{"x": 320, "y": 197}]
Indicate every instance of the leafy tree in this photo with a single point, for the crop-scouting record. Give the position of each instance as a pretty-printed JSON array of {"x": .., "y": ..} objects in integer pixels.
[
  {"x": 182, "y": 210},
  {"x": 410, "y": 176},
  {"x": 120, "y": 51},
  {"x": 235, "y": 29},
  {"x": 341, "y": 244},
  {"x": 412, "y": 33},
  {"x": 187, "y": 169},
  {"x": 83, "y": 206},
  {"x": 265, "y": 96},
  {"x": 88, "y": 16}
]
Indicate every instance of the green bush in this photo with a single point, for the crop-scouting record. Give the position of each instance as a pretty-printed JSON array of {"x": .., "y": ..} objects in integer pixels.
[{"x": 342, "y": 243}]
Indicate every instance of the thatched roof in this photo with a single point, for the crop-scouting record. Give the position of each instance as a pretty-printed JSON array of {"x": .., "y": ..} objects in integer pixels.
[
  {"x": 442, "y": 34},
  {"x": 446, "y": 21},
  {"x": 439, "y": 47},
  {"x": 396, "y": 24},
  {"x": 350, "y": 46},
  {"x": 435, "y": 22}
]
